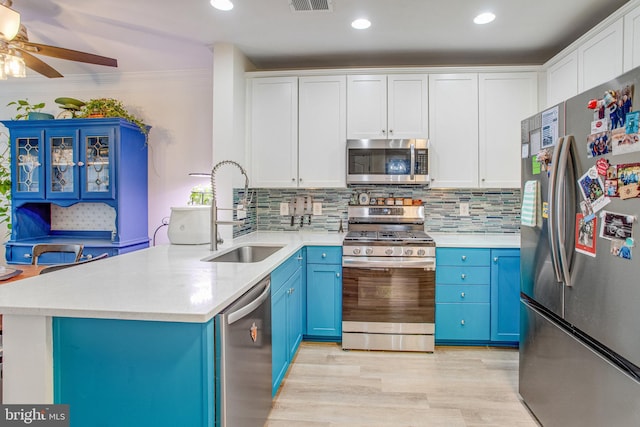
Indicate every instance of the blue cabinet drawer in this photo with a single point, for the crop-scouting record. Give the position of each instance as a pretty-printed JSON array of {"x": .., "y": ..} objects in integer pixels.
[
  {"x": 284, "y": 271},
  {"x": 463, "y": 256},
  {"x": 462, "y": 293},
  {"x": 324, "y": 255},
  {"x": 463, "y": 275},
  {"x": 463, "y": 322}
]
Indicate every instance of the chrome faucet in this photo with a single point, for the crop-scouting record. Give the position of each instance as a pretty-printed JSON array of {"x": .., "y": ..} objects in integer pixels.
[{"x": 215, "y": 235}]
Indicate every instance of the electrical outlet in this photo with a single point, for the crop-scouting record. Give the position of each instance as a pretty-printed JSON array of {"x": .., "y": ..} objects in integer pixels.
[
  {"x": 317, "y": 208},
  {"x": 464, "y": 209},
  {"x": 241, "y": 213},
  {"x": 284, "y": 208}
]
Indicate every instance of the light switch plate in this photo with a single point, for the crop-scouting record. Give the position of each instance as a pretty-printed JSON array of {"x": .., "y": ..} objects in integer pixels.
[
  {"x": 464, "y": 209},
  {"x": 284, "y": 208},
  {"x": 317, "y": 208}
]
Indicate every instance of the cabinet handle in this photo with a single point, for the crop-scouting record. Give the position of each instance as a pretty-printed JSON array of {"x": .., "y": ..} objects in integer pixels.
[
  {"x": 80, "y": 163},
  {"x": 462, "y": 295},
  {"x": 337, "y": 274},
  {"x": 390, "y": 130},
  {"x": 27, "y": 255},
  {"x": 293, "y": 180},
  {"x": 463, "y": 276},
  {"x": 462, "y": 322},
  {"x": 384, "y": 131},
  {"x": 299, "y": 258},
  {"x": 291, "y": 290},
  {"x": 324, "y": 255},
  {"x": 463, "y": 257},
  {"x": 495, "y": 259},
  {"x": 300, "y": 179}
]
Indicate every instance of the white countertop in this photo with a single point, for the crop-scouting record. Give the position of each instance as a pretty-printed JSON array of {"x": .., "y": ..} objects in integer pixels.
[
  {"x": 476, "y": 240},
  {"x": 164, "y": 283}
]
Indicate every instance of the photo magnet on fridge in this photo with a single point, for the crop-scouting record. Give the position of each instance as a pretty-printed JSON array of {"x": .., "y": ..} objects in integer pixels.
[
  {"x": 598, "y": 144},
  {"x": 592, "y": 189},
  {"x": 585, "y": 236},
  {"x": 616, "y": 225},
  {"x": 620, "y": 249},
  {"x": 631, "y": 122},
  {"x": 628, "y": 175}
]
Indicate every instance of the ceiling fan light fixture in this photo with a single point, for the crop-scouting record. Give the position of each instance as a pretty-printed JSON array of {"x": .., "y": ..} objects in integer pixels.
[
  {"x": 14, "y": 66},
  {"x": 3, "y": 75},
  {"x": 222, "y": 4},
  {"x": 484, "y": 18},
  {"x": 9, "y": 23}
]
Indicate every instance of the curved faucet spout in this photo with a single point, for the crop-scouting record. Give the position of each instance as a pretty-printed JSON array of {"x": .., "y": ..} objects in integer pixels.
[{"x": 215, "y": 235}]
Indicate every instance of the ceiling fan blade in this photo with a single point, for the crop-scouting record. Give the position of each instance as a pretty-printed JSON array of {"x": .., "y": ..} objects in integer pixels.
[
  {"x": 71, "y": 55},
  {"x": 37, "y": 65}
]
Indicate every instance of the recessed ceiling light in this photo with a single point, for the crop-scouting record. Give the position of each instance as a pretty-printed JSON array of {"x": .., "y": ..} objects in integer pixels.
[
  {"x": 484, "y": 18},
  {"x": 222, "y": 4},
  {"x": 361, "y": 24}
]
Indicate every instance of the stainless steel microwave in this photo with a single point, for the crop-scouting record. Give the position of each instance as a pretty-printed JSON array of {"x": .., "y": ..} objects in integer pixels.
[{"x": 388, "y": 161}]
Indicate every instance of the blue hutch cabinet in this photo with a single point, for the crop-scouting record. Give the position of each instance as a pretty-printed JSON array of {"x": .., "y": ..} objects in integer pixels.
[{"x": 77, "y": 181}]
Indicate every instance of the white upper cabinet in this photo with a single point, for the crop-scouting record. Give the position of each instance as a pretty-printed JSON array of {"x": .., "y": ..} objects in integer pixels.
[
  {"x": 600, "y": 57},
  {"x": 322, "y": 131},
  {"x": 274, "y": 132},
  {"x": 387, "y": 107},
  {"x": 632, "y": 39},
  {"x": 562, "y": 79},
  {"x": 505, "y": 99},
  {"x": 453, "y": 135}
]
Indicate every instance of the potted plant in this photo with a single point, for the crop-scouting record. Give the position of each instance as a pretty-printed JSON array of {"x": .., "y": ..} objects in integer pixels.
[
  {"x": 109, "y": 107},
  {"x": 26, "y": 110}
]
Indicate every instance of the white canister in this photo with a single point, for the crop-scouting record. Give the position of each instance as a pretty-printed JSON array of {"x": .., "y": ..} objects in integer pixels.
[{"x": 190, "y": 225}]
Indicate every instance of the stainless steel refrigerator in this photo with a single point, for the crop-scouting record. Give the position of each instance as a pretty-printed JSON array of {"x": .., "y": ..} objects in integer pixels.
[{"x": 580, "y": 308}]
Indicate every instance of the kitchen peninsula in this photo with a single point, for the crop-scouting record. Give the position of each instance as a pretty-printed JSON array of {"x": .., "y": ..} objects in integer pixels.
[{"x": 138, "y": 328}]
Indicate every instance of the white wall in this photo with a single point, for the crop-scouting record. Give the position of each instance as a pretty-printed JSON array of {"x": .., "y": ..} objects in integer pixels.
[
  {"x": 229, "y": 99},
  {"x": 178, "y": 106}
]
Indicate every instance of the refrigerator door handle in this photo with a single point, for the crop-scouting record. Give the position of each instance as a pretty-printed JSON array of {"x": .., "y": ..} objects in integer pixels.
[
  {"x": 552, "y": 197},
  {"x": 560, "y": 208}
]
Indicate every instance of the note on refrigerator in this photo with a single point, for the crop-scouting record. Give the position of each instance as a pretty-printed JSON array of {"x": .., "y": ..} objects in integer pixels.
[{"x": 528, "y": 214}]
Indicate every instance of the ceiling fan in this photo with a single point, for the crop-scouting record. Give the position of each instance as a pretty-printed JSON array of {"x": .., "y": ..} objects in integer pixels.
[{"x": 16, "y": 50}]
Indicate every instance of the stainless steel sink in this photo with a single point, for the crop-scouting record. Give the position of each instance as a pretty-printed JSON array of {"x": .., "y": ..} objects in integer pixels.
[{"x": 245, "y": 253}]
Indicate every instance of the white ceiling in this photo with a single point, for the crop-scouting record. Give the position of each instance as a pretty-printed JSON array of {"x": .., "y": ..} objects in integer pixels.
[{"x": 161, "y": 34}]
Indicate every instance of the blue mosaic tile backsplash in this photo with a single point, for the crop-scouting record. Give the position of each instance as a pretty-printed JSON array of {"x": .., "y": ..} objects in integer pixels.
[{"x": 490, "y": 210}]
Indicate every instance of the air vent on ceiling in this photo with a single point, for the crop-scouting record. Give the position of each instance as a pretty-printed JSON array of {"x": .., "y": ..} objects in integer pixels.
[{"x": 311, "y": 5}]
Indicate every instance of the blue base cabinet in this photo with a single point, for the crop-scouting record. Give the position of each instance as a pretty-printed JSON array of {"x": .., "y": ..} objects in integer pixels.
[
  {"x": 477, "y": 296},
  {"x": 505, "y": 296},
  {"x": 286, "y": 315},
  {"x": 77, "y": 181},
  {"x": 134, "y": 373},
  {"x": 324, "y": 293}
]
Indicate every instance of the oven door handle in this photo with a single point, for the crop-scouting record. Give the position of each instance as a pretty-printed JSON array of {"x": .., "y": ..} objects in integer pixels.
[{"x": 363, "y": 262}]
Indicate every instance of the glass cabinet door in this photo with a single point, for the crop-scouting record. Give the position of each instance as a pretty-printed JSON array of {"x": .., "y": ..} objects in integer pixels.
[
  {"x": 98, "y": 149},
  {"x": 62, "y": 172},
  {"x": 29, "y": 173}
]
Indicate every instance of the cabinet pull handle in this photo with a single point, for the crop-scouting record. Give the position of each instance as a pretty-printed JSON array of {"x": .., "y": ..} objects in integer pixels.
[
  {"x": 324, "y": 255},
  {"x": 462, "y": 295},
  {"x": 293, "y": 180},
  {"x": 462, "y": 322},
  {"x": 390, "y": 130},
  {"x": 80, "y": 163},
  {"x": 299, "y": 258},
  {"x": 337, "y": 274},
  {"x": 291, "y": 290},
  {"x": 463, "y": 276},
  {"x": 464, "y": 257},
  {"x": 495, "y": 259}
]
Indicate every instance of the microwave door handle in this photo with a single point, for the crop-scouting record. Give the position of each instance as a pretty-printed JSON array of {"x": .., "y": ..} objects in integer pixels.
[
  {"x": 553, "y": 188},
  {"x": 413, "y": 161}
]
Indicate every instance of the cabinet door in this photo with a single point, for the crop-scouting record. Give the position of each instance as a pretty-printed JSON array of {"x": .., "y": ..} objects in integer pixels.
[
  {"x": 322, "y": 131},
  {"x": 97, "y": 151},
  {"x": 274, "y": 132},
  {"x": 505, "y": 99},
  {"x": 63, "y": 165},
  {"x": 632, "y": 39},
  {"x": 28, "y": 164},
  {"x": 407, "y": 106},
  {"x": 562, "y": 79},
  {"x": 505, "y": 295},
  {"x": 600, "y": 57},
  {"x": 294, "y": 313},
  {"x": 367, "y": 107},
  {"x": 279, "y": 348},
  {"x": 324, "y": 300},
  {"x": 453, "y": 130}
]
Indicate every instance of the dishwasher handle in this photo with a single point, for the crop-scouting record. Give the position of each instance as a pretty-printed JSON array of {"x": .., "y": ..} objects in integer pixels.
[{"x": 249, "y": 308}]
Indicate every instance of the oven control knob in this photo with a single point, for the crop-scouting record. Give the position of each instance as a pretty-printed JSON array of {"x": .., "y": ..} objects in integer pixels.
[
  {"x": 421, "y": 252},
  {"x": 389, "y": 251},
  {"x": 369, "y": 251},
  {"x": 356, "y": 251},
  {"x": 408, "y": 252}
]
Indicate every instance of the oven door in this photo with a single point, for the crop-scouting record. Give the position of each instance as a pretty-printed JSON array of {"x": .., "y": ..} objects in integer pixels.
[{"x": 388, "y": 307}]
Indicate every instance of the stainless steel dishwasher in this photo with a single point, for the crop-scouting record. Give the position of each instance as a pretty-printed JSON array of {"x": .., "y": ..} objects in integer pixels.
[{"x": 243, "y": 359}]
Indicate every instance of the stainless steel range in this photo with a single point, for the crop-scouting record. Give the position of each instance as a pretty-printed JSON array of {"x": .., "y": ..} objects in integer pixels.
[{"x": 388, "y": 280}]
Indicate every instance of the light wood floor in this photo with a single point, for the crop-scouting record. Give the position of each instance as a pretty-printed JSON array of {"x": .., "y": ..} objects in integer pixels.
[{"x": 455, "y": 386}]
